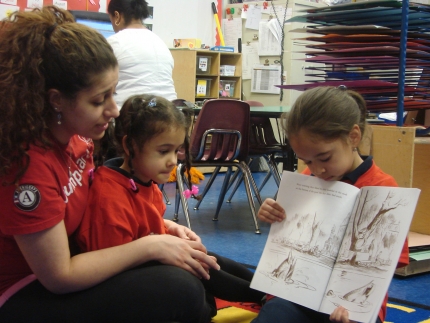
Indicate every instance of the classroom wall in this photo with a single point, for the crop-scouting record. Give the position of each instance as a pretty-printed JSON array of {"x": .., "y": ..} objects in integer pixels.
[
  {"x": 184, "y": 19},
  {"x": 293, "y": 60}
]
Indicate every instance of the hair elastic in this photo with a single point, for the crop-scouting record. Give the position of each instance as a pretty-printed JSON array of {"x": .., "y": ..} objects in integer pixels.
[
  {"x": 191, "y": 193},
  {"x": 152, "y": 103},
  {"x": 342, "y": 87}
]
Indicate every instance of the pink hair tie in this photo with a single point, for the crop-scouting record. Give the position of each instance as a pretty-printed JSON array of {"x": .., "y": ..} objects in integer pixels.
[
  {"x": 134, "y": 188},
  {"x": 191, "y": 193}
]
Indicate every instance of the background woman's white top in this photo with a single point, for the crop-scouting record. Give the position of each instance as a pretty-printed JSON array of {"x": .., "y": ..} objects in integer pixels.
[{"x": 145, "y": 64}]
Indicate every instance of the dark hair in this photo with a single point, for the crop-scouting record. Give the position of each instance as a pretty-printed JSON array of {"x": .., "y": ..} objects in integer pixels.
[
  {"x": 143, "y": 117},
  {"x": 41, "y": 50},
  {"x": 327, "y": 112},
  {"x": 130, "y": 9}
]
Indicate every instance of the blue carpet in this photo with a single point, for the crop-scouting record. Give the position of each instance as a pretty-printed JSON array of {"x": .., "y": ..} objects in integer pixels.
[{"x": 233, "y": 236}]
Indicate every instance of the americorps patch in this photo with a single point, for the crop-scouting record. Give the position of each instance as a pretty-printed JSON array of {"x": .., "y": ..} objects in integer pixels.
[{"x": 26, "y": 197}]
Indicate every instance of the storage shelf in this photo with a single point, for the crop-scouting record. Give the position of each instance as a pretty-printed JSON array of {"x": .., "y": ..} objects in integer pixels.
[
  {"x": 186, "y": 73},
  {"x": 362, "y": 42}
]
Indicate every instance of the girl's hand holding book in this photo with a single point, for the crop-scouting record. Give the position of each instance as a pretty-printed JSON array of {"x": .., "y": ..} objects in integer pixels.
[{"x": 271, "y": 211}]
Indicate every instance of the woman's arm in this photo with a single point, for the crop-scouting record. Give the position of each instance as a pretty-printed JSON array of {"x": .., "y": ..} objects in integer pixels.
[{"x": 47, "y": 253}]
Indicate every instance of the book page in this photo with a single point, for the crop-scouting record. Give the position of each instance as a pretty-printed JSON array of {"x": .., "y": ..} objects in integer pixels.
[
  {"x": 300, "y": 251},
  {"x": 370, "y": 250}
]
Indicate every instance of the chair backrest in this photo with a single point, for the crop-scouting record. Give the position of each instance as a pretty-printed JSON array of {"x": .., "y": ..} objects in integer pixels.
[
  {"x": 229, "y": 123},
  {"x": 253, "y": 103},
  {"x": 261, "y": 133}
]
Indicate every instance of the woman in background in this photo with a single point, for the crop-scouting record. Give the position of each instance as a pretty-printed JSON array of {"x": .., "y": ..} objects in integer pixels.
[{"x": 145, "y": 62}]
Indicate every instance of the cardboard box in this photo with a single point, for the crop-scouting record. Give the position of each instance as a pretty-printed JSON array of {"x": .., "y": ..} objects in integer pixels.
[{"x": 192, "y": 43}]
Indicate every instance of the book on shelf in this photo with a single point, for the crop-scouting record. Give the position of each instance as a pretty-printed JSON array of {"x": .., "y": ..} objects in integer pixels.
[{"x": 339, "y": 245}]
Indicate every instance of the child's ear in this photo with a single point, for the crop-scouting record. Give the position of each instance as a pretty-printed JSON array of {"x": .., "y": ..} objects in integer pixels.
[{"x": 355, "y": 136}]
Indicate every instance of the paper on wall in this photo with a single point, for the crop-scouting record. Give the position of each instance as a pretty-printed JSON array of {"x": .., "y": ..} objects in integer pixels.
[
  {"x": 279, "y": 12},
  {"x": 61, "y": 4},
  {"x": 232, "y": 31},
  {"x": 34, "y": 3},
  {"x": 264, "y": 78},
  {"x": 9, "y": 2},
  {"x": 249, "y": 59},
  {"x": 275, "y": 29},
  {"x": 268, "y": 44},
  {"x": 253, "y": 17},
  {"x": 6, "y": 10}
]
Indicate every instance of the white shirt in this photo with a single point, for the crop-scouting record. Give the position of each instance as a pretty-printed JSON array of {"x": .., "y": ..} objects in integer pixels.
[{"x": 145, "y": 65}]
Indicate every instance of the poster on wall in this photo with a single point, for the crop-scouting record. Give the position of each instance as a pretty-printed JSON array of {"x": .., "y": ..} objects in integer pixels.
[
  {"x": 9, "y": 6},
  {"x": 7, "y": 10}
]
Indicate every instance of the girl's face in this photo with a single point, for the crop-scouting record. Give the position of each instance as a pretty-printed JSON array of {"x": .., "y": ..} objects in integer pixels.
[
  {"x": 158, "y": 156},
  {"x": 89, "y": 113},
  {"x": 328, "y": 160}
]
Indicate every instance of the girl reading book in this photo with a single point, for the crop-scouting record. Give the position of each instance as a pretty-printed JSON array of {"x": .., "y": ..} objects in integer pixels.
[{"x": 324, "y": 128}]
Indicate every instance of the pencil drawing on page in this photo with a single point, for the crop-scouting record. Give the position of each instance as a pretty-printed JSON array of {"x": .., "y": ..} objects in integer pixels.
[{"x": 338, "y": 244}]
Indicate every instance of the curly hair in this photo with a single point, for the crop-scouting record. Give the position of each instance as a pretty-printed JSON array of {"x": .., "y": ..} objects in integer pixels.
[
  {"x": 41, "y": 50},
  {"x": 141, "y": 118}
]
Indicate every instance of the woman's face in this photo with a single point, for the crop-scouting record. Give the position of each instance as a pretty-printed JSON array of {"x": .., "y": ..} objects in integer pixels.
[{"x": 89, "y": 113}]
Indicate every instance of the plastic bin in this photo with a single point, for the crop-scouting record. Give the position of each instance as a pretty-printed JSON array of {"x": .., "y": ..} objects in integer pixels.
[
  {"x": 227, "y": 70},
  {"x": 226, "y": 88},
  {"x": 203, "y": 65},
  {"x": 203, "y": 87}
]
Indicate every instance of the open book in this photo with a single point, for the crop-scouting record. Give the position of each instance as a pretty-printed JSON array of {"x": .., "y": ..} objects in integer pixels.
[{"x": 339, "y": 245}]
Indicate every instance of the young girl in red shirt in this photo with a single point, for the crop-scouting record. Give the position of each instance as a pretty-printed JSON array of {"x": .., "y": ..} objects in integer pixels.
[
  {"x": 324, "y": 128},
  {"x": 125, "y": 203}
]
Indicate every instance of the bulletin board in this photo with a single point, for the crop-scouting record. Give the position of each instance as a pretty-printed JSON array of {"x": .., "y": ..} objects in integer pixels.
[
  {"x": 292, "y": 60},
  {"x": 9, "y": 6}
]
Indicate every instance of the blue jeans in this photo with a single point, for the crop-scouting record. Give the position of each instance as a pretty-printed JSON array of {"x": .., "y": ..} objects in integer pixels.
[{"x": 282, "y": 311}]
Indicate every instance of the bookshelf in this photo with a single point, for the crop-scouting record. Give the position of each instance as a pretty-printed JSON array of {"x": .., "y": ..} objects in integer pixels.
[{"x": 197, "y": 76}]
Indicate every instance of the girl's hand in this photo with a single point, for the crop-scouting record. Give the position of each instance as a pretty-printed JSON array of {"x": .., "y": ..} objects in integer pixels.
[
  {"x": 181, "y": 231},
  {"x": 270, "y": 211},
  {"x": 186, "y": 254},
  {"x": 341, "y": 315}
]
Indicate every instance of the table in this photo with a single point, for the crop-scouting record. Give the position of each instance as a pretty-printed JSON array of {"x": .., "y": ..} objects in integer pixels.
[{"x": 268, "y": 112}]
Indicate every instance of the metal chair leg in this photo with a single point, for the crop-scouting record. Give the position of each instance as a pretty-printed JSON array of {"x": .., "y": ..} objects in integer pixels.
[
  {"x": 208, "y": 186},
  {"x": 265, "y": 180},
  {"x": 223, "y": 192},
  {"x": 166, "y": 198},
  {"x": 180, "y": 187},
  {"x": 238, "y": 182},
  {"x": 238, "y": 179},
  {"x": 248, "y": 189}
]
